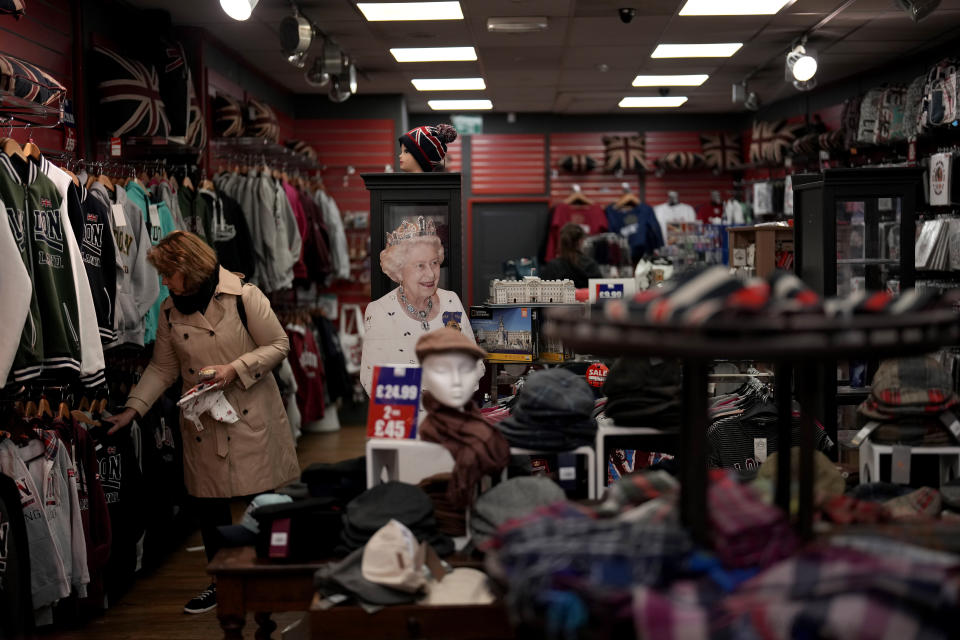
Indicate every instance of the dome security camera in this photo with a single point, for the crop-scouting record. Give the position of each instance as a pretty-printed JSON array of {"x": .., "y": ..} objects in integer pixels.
[{"x": 627, "y": 14}]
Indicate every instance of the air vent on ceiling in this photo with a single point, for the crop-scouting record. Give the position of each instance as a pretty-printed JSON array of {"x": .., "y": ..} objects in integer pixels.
[{"x": 517, "y": 25}]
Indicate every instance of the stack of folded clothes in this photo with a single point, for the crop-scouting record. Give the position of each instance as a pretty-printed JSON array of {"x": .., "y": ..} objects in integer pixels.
[
  {"x": 702, "y": 296},
  {"x": 376, "y": 506},
  {"x": 554, "y": 412},
  {"x": 907, "y": 398}
]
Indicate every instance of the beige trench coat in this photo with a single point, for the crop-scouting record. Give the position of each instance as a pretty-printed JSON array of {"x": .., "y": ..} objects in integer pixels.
[{"x": 257, "y": 453}]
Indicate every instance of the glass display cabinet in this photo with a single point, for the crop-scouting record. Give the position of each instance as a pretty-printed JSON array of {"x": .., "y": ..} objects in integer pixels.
[
  {"x": 854, "y": 230},
  {"x": 435, "y": 196}
]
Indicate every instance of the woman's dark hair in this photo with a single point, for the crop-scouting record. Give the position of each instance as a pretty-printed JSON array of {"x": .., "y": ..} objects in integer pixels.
[{"x": 570, "y": 236}]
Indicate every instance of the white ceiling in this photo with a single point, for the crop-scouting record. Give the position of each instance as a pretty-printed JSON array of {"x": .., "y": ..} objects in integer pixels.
[{"x": 556, "y": 71}]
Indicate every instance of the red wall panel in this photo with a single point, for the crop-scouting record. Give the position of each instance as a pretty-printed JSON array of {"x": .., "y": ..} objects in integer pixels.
[{"x": 507, "y": 164}]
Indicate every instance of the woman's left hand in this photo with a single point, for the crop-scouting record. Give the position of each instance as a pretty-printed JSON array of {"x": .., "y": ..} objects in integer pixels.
[{"x": 224, "y": 375}]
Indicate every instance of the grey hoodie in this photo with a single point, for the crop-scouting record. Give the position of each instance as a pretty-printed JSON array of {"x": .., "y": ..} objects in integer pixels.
[{"x": 137, "y": 282}]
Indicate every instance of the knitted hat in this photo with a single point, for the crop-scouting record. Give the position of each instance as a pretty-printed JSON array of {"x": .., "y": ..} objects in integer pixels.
[
  {"x": 447, "y": 339},
  {"x": 428, "y": 145}
]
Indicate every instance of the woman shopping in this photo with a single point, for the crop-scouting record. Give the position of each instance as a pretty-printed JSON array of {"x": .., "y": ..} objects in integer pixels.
[
  {"x": 202, "y": 336},
  {"x": 396, "y": 321}
]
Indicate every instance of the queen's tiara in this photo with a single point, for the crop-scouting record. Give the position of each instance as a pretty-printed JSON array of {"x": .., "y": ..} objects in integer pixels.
[{"x": 408, "y": 230}]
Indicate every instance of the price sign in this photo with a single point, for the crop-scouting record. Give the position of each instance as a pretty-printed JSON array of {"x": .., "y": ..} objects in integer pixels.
[
  {"x": 609, "y": 291},
  {"x": 395, "y": 402},
  {"x": 115, "y": 148}
]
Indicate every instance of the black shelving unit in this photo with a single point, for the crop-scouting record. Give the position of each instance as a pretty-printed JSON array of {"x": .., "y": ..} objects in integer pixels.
[
  {"x": 796, "y": 345},
  {"x": 398, "y": 196},
  {"x": 854, "y": 228}
]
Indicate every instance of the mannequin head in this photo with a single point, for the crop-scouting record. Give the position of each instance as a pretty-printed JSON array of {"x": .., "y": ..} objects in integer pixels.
[
  {"x": 450, "y": 366},
  {"x": 423, "y": 149},
  {"x": 451, "y": 377},
  {"x": 715, "y": 197},
  {"x": 673, "y": 197}
]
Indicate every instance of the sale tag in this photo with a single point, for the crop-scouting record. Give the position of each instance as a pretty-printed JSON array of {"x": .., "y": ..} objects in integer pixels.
[
  {"x": 395, "y": 402},
  {"x": 597, "y": 374},
  {"x": 154, "y": 215},
  {"x": 609, "y": 291},
  {"x": 280, "y": 538},
  {"x": 115, "y": 147}
]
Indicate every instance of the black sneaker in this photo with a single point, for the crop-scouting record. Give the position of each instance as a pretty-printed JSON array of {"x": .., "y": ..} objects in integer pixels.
[{"x": 204, "y": 601}]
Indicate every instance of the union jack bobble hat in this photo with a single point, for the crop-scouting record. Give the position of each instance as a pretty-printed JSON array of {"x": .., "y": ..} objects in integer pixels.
[{"x": 428, "y": 144}]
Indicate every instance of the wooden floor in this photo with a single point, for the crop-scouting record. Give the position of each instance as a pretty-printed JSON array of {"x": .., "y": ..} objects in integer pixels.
[{"x": 153, "y": 608}]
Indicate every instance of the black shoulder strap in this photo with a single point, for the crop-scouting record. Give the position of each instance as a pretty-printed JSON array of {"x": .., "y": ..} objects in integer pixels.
[{"x": 242, "y": 312}]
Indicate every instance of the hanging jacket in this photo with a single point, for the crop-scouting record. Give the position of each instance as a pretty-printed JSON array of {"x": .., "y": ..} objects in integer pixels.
[
  {"x": 231, "y": 237},
  {"x": 16, "y": 291},
  {"x": 164, "y": 191},
  {"x": 639, "y": 226},
  {"x": 16, "y": 608},
  {"x": 336, "y": 233},
  {"x": 94, "y": 514},
  {"x": 159, "y": 223},
  {"x": 307, "y": 370},
  {"x": 48, "y": 578},
  {"x": 288, "y": 243},
  {"x": 316, "y": 243},
  {"x": 137, "y": 281},
  {"x": 300, "y": 221},
  {"x": 99, "y": 251},
  {"x": 63, "y": 335},
  {"x": 56, "y": 476},
  {"x": 196, "y": 216}
]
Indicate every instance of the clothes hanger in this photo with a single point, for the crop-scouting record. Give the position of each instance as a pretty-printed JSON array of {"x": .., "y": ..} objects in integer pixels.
[
  {"x": 43, "y": 408},
  {"x": 63, "y": 411},
  {"x": 577, "y": 197}
]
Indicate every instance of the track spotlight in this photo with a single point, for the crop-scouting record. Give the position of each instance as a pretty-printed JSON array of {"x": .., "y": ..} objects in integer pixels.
[
  {"x": 315, "y": 75},
  {"x": 338, "y": 92},
  {"x": 298, "y": 60},
  {"x": 296, "y": 34},
  {"x": 238, "y": 9},
  {"x": 801, "y": 66},
  {"x": 348, "y": 78}
]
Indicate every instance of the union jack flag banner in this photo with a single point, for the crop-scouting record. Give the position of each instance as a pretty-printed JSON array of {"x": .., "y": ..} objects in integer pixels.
[
  {"x": 722, "y": 151},
  {"x": 625, "y": 153},
  {"x": 228, "y": 116},
  {"x": 12, "y": 7},
  {"x": 771, "y": 140},
  {"x": 29, "y": 82},
  {"x": 263, "y": 121},
  {"x": 301, "y": 147},
  {"x": 130, "y": 98},
  {"x": 681, "y": 161},
  {"x": 196, "y": 127}
]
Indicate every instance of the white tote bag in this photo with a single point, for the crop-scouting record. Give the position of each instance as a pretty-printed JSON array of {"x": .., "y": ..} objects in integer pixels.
[{"x": 351, "y": 336}]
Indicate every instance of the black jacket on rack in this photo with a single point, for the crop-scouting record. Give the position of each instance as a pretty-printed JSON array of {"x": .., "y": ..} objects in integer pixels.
[{"x": 16, "y": 605}]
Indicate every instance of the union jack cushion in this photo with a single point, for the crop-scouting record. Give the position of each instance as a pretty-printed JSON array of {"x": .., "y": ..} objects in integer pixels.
[
  {"x": 12, "y": 7},
  {"x": 129, "y": 96},
  {"x": 228, "y": 121},
  {"x": 579, "y": 163},
  {"x": 196, "y": 126},
  {"x": 625, "y": 153},
  {"x": 832, "y": 141},
  {"x": 29, "y": 82},
  {"x": 262, "y": 122},
  {"x": 722, "y": 150},
  {"x": 301, "y": 147},
  {"x": 771, "y": 140},
  {"x": 681, "y": 161}
]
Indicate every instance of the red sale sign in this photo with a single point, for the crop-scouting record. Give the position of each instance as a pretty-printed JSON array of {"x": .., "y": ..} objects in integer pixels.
[{"x": 395, "y": 402}]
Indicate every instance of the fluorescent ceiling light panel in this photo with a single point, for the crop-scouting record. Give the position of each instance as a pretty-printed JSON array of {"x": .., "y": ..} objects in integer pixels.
[
  {"x": 449, "y": 84},
  {"x": 459, "y": 105},
  {"x": 714, "y": 50},
  {"x": 650, "y": 102},
  {"x": 670, "y": 81},
  {"x": 732, "y": 7},
  {"x": 435, "y": 54},
  {"x": 393, "y": 11}
]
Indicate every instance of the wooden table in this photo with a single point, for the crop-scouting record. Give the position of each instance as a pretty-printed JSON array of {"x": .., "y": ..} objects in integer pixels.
[{"x": 245, "y": 583}]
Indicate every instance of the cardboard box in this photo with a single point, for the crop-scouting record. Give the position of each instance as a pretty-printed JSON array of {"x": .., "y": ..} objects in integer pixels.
[{"x": 507, "y": 334}]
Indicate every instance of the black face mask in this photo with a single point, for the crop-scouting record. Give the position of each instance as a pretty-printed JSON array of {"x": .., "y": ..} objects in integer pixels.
[{"x": 198, "y": 301}]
